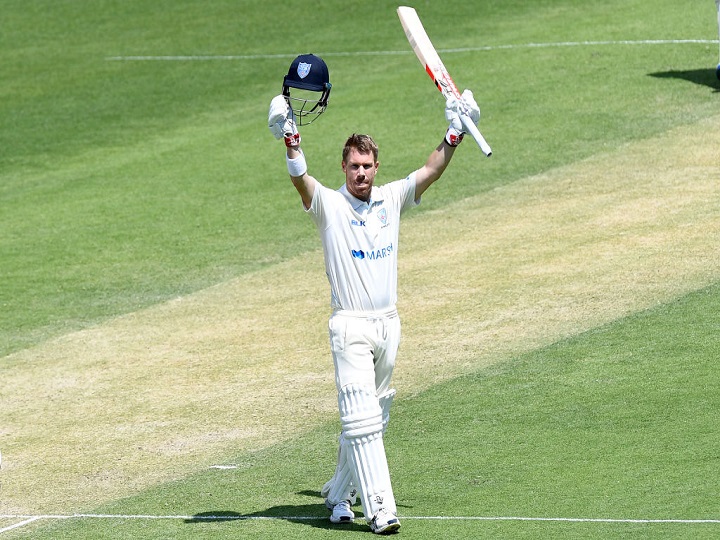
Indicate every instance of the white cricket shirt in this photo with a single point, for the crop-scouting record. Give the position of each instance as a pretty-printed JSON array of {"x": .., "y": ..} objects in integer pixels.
[{"x": 360, "y": 242}]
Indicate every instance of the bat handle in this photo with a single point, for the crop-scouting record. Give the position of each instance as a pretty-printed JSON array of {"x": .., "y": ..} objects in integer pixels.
[{"x": 475, "y": 132}]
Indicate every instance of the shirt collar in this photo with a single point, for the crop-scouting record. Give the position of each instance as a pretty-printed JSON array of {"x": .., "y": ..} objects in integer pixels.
[{"x": 356, "y": 203}]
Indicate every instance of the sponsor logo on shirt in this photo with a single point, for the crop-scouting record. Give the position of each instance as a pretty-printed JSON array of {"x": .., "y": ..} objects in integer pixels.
[
  {"x": 374, "y": 254},
  {"x": 358, "y": 223}
]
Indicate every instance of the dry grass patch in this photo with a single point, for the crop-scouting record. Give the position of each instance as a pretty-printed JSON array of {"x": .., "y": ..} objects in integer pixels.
[
  {"x": 150, "y": 396},
  {"x": 559, "y": 253}
]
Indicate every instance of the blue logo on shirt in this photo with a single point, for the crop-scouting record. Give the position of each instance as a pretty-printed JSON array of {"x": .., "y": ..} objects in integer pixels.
[{"x": 373, "y": 255}]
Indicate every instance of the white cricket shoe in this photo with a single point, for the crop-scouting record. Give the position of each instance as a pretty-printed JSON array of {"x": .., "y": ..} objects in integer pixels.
[
  {"x": 384, "y": 522},
  {"x": 341, "y": 512}
]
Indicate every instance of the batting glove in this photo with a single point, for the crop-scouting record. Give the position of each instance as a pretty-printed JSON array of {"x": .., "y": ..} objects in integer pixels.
[
  {"x": 281, "y": 121},
  {"x": 453, "y": 109}
]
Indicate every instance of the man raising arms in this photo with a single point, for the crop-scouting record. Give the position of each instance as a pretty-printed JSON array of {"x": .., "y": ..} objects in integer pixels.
[{"x": 359, "y": 228}]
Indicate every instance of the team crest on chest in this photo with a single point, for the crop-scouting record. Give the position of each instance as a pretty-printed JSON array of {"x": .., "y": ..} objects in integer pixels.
[{"x": 382, "y": 216}]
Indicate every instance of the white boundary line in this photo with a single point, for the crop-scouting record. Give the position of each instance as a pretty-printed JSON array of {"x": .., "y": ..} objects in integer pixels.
[
  {"x": 190, "y": 58},
  {"x": 27, "y": 519},
  {"x": 18, "y": 525}
]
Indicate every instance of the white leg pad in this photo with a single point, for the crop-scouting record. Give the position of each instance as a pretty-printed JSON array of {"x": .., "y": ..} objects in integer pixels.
[
  {"x": 341, "y": 486},
  {"x": 386, "y": 400},
  {"x": 362, "y": 420}
]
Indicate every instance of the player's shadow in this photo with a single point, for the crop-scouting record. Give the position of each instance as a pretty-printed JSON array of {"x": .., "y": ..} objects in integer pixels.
[
  {"x": 704, "y": 77},
  {"x": 311, "y": 515}
]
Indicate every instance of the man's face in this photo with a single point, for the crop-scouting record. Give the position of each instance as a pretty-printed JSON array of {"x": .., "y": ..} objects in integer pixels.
[{"x": 360, "y": 172}]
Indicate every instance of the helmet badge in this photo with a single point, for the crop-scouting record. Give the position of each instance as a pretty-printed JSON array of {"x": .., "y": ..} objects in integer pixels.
[{"x": 303, "y": 69}]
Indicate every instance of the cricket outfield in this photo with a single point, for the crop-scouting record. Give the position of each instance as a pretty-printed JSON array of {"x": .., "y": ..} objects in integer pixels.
[{"x": 184, "y": 324}]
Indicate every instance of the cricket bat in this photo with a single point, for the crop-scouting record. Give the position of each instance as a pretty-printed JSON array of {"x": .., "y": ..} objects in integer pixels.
[{"x": 429, "y": 58}]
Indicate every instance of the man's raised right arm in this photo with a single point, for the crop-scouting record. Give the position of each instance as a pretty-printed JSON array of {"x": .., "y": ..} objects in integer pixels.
[{"x": 281, "y": 121}]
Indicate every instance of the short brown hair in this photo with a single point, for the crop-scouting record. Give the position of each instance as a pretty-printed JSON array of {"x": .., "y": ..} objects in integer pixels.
[{"x": 362, "y": 143}]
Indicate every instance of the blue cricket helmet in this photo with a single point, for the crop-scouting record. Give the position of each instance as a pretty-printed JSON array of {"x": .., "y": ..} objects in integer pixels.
[{"x": 310, "y": 73}]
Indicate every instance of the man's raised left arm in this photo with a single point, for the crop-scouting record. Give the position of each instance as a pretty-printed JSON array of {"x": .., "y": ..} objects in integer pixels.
[{"x": 439, "y": 159}]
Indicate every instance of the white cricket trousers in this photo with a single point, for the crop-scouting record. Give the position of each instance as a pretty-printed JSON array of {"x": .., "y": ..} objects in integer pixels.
[{"x": 364, "y": 347}]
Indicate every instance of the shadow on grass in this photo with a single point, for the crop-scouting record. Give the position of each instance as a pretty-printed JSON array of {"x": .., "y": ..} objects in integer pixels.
[
  {"x": 312, "y": 515},
  {"x": 703, "y": 77}
]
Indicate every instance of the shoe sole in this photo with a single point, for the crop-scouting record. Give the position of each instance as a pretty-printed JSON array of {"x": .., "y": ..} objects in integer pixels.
[{"x": 390, "y": 528}]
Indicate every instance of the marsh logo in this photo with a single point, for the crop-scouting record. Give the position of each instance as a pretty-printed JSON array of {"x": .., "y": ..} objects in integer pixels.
[{"x": 373, "y": 255}]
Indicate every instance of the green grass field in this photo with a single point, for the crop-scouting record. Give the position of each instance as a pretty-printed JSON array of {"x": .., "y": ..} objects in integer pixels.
[{"x": 163, "y": 304}]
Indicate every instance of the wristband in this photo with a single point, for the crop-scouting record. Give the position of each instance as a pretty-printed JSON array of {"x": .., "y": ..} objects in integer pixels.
[{"x": 296, "y": 166}]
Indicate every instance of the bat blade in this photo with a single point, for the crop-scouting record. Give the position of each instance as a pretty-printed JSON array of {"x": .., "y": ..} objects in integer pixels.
[
  {"x": 434, "y": 67},
  {"x": 425, "y": 51}
]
